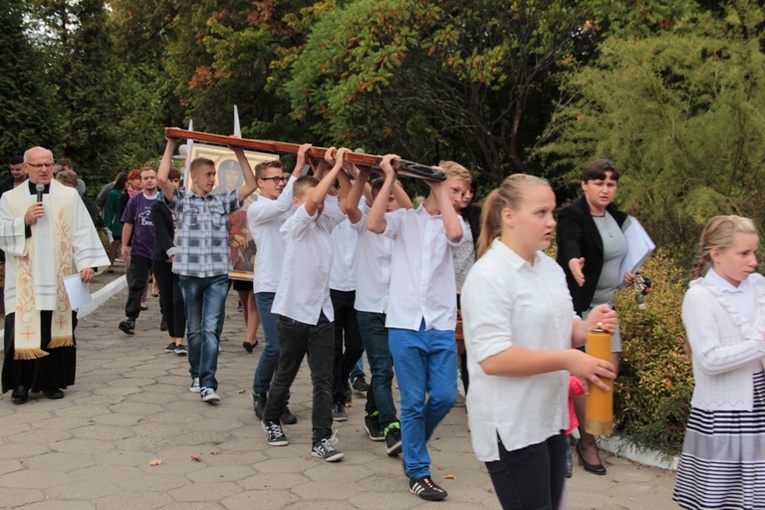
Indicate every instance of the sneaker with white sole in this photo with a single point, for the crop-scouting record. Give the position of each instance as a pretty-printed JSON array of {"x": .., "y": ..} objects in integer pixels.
[
  {"x": 208, "y": 395},
  {"x": 326, "y": 450},
  {"x": 194, "y": 388},
  {"x": 338, "y": 412},
  {"x": 426, "y": 488},
  {"x": 393, "y": 444},
  {"x": 170, "y": 347},
  {"x": 274, "y": 433},
  {"x": 373, "y": 427},
  {"x": 180, "y": 350}
]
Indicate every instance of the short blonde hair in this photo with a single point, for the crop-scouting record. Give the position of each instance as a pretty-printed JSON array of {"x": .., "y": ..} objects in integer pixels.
[
  {"x": 454, "y": 169},
  {"x": 303, "y": 184}
]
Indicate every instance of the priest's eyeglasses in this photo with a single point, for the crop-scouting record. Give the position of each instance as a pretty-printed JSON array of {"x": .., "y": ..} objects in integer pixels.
[{"x": 40, "y": 165}]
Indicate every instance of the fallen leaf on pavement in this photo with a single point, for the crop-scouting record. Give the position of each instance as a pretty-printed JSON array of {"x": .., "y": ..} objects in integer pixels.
[
  {"x": 214, "y": 453},
  {"x": 195, "y": 458},
  {"x": 155, "y": 462},
  {"x": 450, "y": 477}
]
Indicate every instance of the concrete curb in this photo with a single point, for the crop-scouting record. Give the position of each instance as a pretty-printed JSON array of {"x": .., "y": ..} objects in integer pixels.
[{"x": 100, "y": 297}]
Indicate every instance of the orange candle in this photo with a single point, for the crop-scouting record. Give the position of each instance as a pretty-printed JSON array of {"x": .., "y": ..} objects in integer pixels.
[{"x": 599, "y": 404}]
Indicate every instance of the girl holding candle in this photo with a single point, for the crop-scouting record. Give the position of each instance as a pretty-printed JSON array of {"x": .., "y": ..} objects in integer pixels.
[
  {"x": 723, "y": 459},
  {"x": 519, "y": 327}
]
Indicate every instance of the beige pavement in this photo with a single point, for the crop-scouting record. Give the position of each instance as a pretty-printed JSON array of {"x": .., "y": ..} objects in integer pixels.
[{"x": 131, "y": 405}]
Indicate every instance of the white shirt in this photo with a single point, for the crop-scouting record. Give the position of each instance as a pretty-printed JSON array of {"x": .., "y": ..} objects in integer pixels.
[
  {"x": 264, "y": 218},
  {"x": 725, "y": 326},
  {"x": 303, "y": 292},
  {"x": 372, "y": 268},
  {"x": 342, "y": 275},
  {"x": 422, "y": 284},
  {"x": 506, "y": 301}
]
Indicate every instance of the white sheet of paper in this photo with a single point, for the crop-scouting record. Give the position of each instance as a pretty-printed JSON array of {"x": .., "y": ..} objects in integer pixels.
[
  {"x": 109, "y": 236},
  {"x": 639, "y": 246},
  {"x": 78, "y": 291}
]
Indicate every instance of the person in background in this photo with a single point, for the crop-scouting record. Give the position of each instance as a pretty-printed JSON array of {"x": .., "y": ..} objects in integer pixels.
[
  {"x": 112, "y": 217},
  {"x": 69, "y": 178},
  {"x": 162, "y": 254},
  {"x": 723, "y": 459},
  {"x": 591, "y": 246},
  {"x": 519, "y": 326},
  {"x": 18, "y": 175},
  {"x": 65, "y": 164}
]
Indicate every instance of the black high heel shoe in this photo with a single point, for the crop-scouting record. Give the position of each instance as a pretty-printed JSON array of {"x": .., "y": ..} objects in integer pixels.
[{"x": 595, "y": 469}]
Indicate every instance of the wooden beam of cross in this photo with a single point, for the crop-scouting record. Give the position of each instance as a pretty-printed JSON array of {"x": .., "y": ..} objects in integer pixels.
[{"x": 402, "y": 166}]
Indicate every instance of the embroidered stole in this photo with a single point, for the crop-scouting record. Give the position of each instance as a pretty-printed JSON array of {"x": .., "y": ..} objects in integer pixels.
[{"x": 43, "y": 264}]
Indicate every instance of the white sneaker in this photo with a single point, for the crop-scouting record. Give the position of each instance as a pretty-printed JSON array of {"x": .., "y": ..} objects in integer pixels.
[
  {"x": 194, "y": 388},
  {"x": 208, "y": 395}
]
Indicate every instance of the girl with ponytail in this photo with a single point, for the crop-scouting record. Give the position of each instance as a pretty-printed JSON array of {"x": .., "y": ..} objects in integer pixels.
[
  {"x": 723, "y": 459},
  {"x": 519, "y": 327}
]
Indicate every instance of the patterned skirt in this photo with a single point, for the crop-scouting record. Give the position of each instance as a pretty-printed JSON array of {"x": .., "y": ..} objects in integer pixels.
[{"x": 723, "y": 460}]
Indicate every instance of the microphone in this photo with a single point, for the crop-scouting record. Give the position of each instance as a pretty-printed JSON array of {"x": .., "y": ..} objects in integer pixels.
[{"x": 40, "y": 189}]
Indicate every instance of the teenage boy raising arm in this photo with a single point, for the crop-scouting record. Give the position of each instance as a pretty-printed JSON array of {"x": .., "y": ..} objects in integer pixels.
[{"x": 421, "y": 316}]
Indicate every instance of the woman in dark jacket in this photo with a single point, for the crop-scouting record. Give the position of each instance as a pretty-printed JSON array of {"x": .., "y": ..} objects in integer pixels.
[
  {"x": 591, "y": 247},
  {"x": 170, "y": 298},
  {"x": 112, "y": 216}
]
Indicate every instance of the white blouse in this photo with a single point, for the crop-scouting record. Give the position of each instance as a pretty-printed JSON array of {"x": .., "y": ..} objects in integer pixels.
[{"x": 506, "y": 301}]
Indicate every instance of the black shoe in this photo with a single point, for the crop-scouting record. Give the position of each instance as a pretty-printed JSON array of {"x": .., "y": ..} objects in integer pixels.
[
  {"x": 287, "y": 417},
  {"x": 128, "y": 326},
  {"x": 338, "y": 412},
  {"x": 393, "y": 439},
  {"x": 248, "y": 346},
  {"x": 274, "y": 434},
  {"x": 20, "y": 395},
  {"x": 170, "y": 347},
  {"x": 53, "y": 394},
  {"x": 426, "y": 488},
  {"x": 360, "y": 385},
  {"x": 373, "y": 427},
  {"x": 258, "y": 403},
  {"x": 595, "y": 469}
]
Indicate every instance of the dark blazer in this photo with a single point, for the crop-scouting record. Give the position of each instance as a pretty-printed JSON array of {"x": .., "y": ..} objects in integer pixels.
[{"x": 578, "y": 236}]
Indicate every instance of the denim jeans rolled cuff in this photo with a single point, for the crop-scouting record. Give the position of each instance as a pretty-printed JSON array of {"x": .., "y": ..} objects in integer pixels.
[
  {"x": 269, "y": 358},
  {"x": 530, "y": 477},
  {"x": 204, "y": 301},
  {"x": 380, "y": 394},
  {"x": 426, "y": 366},
  {"x": 139, "y": 274}
]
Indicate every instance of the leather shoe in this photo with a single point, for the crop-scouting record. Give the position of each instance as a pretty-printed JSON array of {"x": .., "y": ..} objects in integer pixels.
[
  {"x": 595, "y": 469},
  {"x": 20, "y": 395},
  {"x": 53, "y": 394}
]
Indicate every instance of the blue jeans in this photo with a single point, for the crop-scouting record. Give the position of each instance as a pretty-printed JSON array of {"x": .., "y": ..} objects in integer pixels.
[
  {"x": 204, "y": 300},
  {"x": 380, "y": 394},
  {"x": 426, "y": 365},
  {"x": 269, "y": 358}
]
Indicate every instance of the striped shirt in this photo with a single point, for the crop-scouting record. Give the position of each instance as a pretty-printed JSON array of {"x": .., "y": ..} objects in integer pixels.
[{"x": 201, "y": 236}]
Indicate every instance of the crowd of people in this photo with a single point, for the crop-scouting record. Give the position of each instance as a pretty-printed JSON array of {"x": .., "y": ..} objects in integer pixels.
[{"x": 347, "y": 265}]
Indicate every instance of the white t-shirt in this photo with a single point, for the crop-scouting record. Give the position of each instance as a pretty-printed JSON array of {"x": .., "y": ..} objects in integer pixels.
[
  {"x": 422, "y": 283},
  {"x": 506, "y": 301}
]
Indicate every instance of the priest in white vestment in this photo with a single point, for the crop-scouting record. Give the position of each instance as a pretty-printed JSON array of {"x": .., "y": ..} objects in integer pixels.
[{"x": 44, "y": 242}]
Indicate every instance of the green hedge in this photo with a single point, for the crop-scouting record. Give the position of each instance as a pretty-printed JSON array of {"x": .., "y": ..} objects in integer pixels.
[{"x": 655, "y": 383}]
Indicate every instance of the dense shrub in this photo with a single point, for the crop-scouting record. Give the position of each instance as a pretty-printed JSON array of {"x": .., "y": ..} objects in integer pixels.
[{"x": 655, "y": 384}]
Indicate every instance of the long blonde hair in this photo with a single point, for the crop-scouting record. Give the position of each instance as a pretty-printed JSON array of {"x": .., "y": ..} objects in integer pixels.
[
  {"x": 509, "y": 195},
  {"x": 718, "y": 233}
]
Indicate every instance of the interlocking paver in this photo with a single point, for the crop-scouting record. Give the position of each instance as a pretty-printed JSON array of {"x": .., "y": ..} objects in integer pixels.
[{"x": 131, "y": 405}]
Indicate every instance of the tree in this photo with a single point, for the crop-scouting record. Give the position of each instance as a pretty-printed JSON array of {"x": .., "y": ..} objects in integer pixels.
[
  {"x": 683, "y": 113},
  {"x": 28, "y": 112},
  {"x": 472, "y": 79}
]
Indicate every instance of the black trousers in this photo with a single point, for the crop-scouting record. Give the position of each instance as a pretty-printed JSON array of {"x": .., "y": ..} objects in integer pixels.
[
  {"x": 170, "y": 298},
  {"x": 346, "y": 334},
  {"x": 139, "y": 273},
  {"x": 296, "y": 339},
  {"x": 530, "y": 478}
]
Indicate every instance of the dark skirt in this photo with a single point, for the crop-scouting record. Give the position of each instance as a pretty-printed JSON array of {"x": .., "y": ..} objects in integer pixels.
[
  {"x": 56, "y": 370},
  {"x": 723, "y": 460}
]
